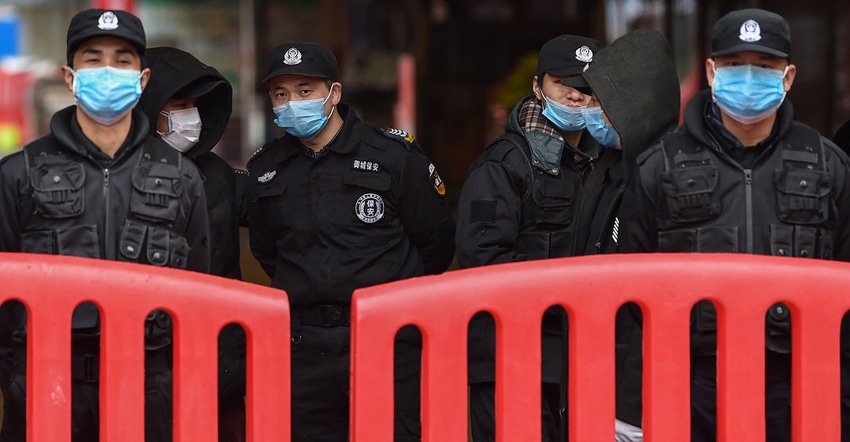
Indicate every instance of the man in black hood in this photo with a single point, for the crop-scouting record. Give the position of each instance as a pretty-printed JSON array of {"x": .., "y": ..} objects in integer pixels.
[
  {"x": 189, "y": 104},
  {"x": 742, "y": 176},
  {"x": 635, "y": 101}
]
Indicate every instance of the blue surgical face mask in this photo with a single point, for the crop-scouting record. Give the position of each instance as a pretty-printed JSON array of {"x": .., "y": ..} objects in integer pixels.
[
  {"x": 603, "y": 133},
  {"x": 303, "y": 118},
  {"x": 565, "y": 118},
  {"x": 106, "y": 94},
  {"x": 747, "y": 93}
]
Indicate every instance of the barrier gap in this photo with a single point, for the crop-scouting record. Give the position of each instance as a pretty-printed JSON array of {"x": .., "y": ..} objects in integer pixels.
[
  {"x": 159, "y": 357},
  {"x": 231, "y": 383},
  {"x": 554, "y": 373},
  {"x": 628, "y": 349},
  {"x": 13, "y": 356},
  {"x": 407, "y": 370},
  {"x": 703, "y": 352}
]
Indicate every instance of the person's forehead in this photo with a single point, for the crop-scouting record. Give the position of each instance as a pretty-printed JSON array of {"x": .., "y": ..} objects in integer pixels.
[
  {"x": 751, "y": 55},
  {"x": 107, "y": 43},
  {"x": 289, "y": 81}
]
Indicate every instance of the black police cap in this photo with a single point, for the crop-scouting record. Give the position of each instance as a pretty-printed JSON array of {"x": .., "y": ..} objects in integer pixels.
[
  {"x": 101, "y": 22},
  {"x": 567, "y": 55},
  {"x": 308, "y": 59},
  {"x": 751, "y": 30}
]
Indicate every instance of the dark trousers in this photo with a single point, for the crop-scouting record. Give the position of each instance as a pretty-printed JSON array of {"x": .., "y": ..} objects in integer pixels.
[
  {"x": 85, "y": 418},
  {"x": 482, "y": 406},
  {"x": 320, "y": 384}
]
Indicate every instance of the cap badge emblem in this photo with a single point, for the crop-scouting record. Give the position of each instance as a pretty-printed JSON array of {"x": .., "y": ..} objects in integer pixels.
[
  {"x": 750, "y": 31},
  {"x": 584, "y": 54},
  {"x": 107, "y": 21},
  {"x": 292, "y": 57}
]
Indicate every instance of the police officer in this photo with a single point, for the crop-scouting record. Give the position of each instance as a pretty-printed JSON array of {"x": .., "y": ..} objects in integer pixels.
[
  {"x": 742, "y": 176},
  {"x": 518, "y": 204},
  {"x": 99, "y": 186},
  {"x": 335, "y": 205},
  {"x": 190, "y": 103}
]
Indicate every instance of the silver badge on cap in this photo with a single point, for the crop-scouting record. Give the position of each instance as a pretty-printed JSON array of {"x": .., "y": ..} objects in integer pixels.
[
  {"x": 584, "y": 54},
  {"x": 750, "y": 31},
  {"x": 369, "y": 208},
  {"x": 107, "y": 21},
  {"x": 292, "y": 56}
]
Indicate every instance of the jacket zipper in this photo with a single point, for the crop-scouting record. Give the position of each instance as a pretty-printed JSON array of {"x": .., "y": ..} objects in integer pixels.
[{"x": 109, "y": 253}]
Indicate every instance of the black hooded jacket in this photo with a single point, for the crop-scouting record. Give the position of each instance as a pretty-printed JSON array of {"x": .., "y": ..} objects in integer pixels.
[
  {"x": 635, "y": 81},
  {"x": 174, "y": 73},
  {"x": 178, "y": 74}
]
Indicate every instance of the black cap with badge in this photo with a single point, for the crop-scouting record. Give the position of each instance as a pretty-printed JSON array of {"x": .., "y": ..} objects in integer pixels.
[
  {"x": 308, "y": 59},
  {"x": 567, "y": 55},
  {"x": 751, "y": 30},
  {"x": 101, "y": 22}
]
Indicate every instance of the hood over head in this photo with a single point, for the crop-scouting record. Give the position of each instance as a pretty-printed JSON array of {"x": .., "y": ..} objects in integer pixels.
[
  {"x": 178, "y": 74},
  {"x": 636, "y": 83}
]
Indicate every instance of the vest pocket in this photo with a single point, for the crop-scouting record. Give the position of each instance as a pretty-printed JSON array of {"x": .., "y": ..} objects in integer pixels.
[
  {"x": 803, "y": 195},
  {"x": 81, "y": 241},
  {"x": 691, "y": 194},
  {"x": 156, "y": 191},
  {"x": 711, "y": 239},
  {"x": 57, "y": 185},
  {"x": 161, "y": 246},
  {"x": 552, "y": 201},
  {"x": 800, "y": 241}
]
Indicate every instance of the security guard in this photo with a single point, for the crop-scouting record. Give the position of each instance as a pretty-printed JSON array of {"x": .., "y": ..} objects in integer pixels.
[
  {"x": 742, "y": 176},
  {"x": 99, "y": 186},
  {"x": 518, "y": 204},
  {"x": 336, "y": 205}
]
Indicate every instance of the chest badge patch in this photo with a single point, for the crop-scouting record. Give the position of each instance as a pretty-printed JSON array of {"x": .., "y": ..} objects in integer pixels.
[
  {"x": 369, "y": 208},
  {"x": 266, "y": 177},
  {"x": 436, "y": 181},
  {"x": 370, "y": 166}
]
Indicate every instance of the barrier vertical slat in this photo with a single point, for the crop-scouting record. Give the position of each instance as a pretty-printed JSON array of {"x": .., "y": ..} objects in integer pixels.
[
  {"x": 122, "y": 368},
  {"x": 740, "y": 366},
  {"x": 591, "y": 374},
  {"x": 666, "y": 378},
  {"x": 442, "y": 353},
  {"x": 372, "y": 373},
  {"x": 518, "y": 359},
  {"x": 48, "y": 380},
  {"x": 195, "y": 403},
  {"x": 815, "y": 369},
  {"x": 268, "y": 402}
]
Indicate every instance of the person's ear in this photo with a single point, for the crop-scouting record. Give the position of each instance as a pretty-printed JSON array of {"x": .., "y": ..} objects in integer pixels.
[
  {"x": 68, "y": 76},
  {"x": 146, "y": 75}
]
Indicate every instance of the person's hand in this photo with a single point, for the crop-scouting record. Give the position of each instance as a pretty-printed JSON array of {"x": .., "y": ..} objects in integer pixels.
[{"x": 624, "y": 432}]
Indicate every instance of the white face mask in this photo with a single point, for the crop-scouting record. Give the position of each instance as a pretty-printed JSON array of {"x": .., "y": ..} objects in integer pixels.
[{"x": 184, "y": 128}]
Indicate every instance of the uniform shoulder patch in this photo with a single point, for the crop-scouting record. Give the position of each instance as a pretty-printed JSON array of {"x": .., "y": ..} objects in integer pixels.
[
  {"x": 397, "y": 134},
  {"x": 436, "y": 181}
]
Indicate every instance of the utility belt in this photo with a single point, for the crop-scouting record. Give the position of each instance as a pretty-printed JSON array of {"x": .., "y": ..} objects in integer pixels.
[
  {"x": 777, "y": 366},
  {"x": 329, "y": 315},
  {"x": 85, "y": 362}
]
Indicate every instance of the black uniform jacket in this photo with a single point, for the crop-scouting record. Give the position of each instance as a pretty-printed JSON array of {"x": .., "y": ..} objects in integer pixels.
[
  {"x": 370, "y": 208},
  {"x": 171, "y": 71},
  {"x": 128, "y": 208},
  {"x": 786, "y": 196},
  {"x": 518, "y": 204}
]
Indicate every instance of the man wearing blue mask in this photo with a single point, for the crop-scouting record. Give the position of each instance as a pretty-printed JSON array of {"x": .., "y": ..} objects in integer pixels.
[
  {"x": 742, "y": 176},
  {"x": 335, "y": 205},
  {"x": 100, "y": 186},
  {"x": 518, "y": 204}
]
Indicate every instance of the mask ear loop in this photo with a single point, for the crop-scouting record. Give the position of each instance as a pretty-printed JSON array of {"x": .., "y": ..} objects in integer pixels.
[
  {"x": 333, "y": 107},
  {"x": 167, "y": 116}
]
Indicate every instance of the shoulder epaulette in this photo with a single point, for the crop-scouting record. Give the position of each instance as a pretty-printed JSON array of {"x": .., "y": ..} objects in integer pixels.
[{"x": 399, "y": 135}]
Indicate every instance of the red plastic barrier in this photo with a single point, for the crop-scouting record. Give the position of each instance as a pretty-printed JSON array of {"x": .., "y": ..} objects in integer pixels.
[
  {"x": 200, "y": 305},
  {"x": 666, "y": 286}
]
